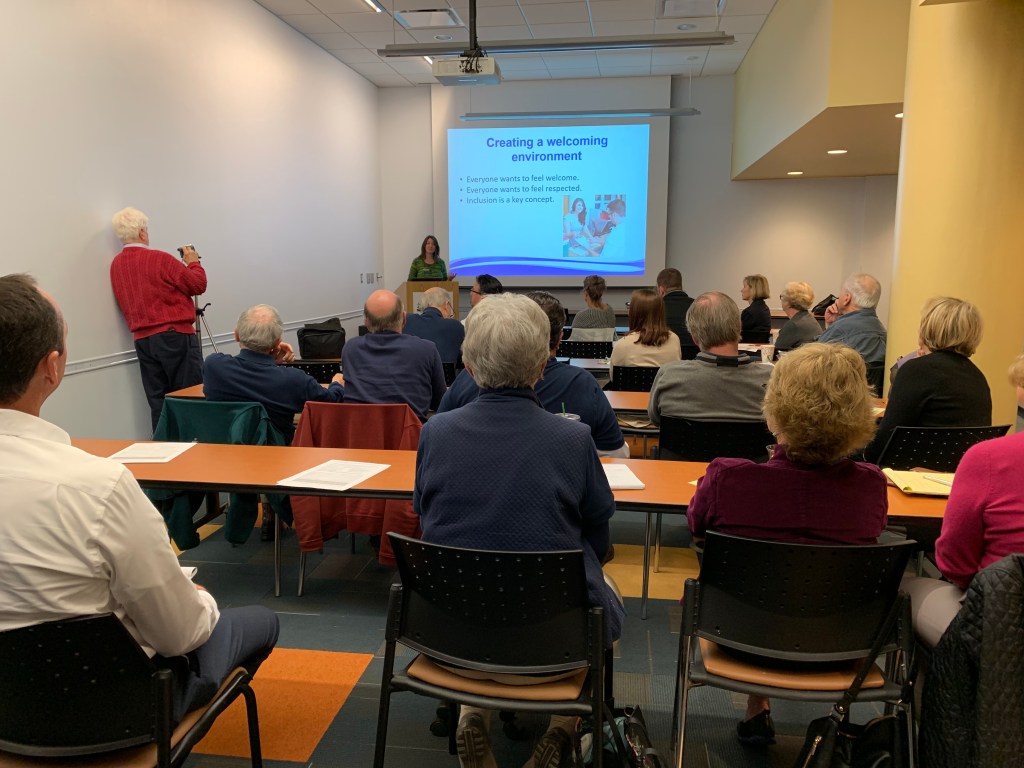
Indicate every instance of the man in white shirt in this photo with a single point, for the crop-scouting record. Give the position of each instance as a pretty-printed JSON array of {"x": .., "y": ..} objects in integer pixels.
[{"x": 78, "y": 536}]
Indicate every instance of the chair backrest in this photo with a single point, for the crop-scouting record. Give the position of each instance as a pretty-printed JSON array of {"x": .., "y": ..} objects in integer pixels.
[
  {"x": 690, "y": 440},
  {"x": 791, "y": 601},
  {"x": 495, "y": 611},
  {"x": 74, "y": 687},
  {"x": 756, "y": 337},
  {"x": 634, "y": 378},
  {"x": 937, "y": 448},
  {"x": 358, "y": 425},
  {"x": 594, "y": 349},
  {"x": 321, "y": 370},
  {"x": 876, "y": 377},
  {"x": 449, "y": 372},
  {"x": 206, "y": 421},
  {"x": 591, "y": 334}
]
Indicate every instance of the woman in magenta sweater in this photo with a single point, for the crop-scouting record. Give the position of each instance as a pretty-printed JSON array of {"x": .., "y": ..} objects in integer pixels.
[
  {"x": 818, "y": 406},
  {"x": 984, "y": 521}
]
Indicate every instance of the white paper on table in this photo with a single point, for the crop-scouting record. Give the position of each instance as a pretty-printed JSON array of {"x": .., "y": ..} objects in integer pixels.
[
  {"x": 334, "y": 475},
  {"x": 150, "y": 453},
  {"x": 621, "y": 478}
]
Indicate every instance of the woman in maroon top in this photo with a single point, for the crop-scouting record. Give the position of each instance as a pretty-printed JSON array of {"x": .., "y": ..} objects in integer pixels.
[{"x": 818, "y": 406}]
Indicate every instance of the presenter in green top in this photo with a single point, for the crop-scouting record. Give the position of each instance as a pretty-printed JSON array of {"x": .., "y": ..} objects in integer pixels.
[{"x": 429, "y": 265}]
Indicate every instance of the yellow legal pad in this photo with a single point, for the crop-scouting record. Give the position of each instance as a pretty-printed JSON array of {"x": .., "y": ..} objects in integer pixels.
[{"x": 927, "y": 483}]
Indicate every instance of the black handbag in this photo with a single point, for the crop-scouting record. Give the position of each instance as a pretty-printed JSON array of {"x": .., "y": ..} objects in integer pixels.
[
  {"x": 321, "y": 341},
  {"x": 631, "y": 742},
  {"x": 835, "y": 742}
]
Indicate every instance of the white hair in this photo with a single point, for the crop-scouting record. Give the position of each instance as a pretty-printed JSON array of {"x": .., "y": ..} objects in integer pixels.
[
  {"x": 506, "y": 341},
  {"x": 128, "y": 222},
  {"x": 435, "y": 297},
  {"x": 864, "y": 289},
  {"x": 259, "y": 328}
]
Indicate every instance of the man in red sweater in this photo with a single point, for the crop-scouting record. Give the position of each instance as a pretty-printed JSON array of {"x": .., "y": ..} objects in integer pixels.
[{"x": 154, "y": 291}]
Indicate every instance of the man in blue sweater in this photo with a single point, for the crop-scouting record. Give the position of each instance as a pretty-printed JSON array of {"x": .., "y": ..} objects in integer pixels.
[
  {"x": 436, "y": 323},
  {"x": 387, "y": 366}
]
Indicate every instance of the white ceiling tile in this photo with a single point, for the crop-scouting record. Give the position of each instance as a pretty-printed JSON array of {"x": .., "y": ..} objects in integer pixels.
[
  {"x": 611, "y": 28},
  {"x": 279, "y": 7},
  {"x": 504, "y": 33},
  {"x": 365, "y": 22},
  {"x": 625, "y": 71},
  {"x": 722, "y": 62},
  {"x": 375, "y": 40},
  {"x": 516, "y": 63},
  {"x": 416, "y": 5},
  {"x": 624, "y": 59},
  {"x": 541, "y": 31},
  {"x": 345, "y": 6},
  {"x": 672, "y": 56},
  {"x": 454, "y": 35},
  {"x": 556, "y": 13},
  {"x": 622, "y": 10},
  {"x": 700, "y": 23},
  {"x": 311, "y": 22},
  {"x": 357, "y": 55},
  {"x": 389, "y": 81},
  {"x": 335, "y": 41},
  {"x": 372, "y": 68},
  {"x": 581, "y": 60},
  {"x": 527, "y": 74},
  {"x": 498, "y": 16},
  {"x": 407, "y": 67}
]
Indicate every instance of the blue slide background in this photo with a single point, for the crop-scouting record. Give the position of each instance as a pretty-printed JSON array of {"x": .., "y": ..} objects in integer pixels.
[{"x": 502, "y": 226}]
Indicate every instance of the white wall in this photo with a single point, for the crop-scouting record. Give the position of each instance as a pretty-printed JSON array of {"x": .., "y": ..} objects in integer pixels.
[
  {"x": 819, "y": 230},
  {"x": 226, "y": 126}
]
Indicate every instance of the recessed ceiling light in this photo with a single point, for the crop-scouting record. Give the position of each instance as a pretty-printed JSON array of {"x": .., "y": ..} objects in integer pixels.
[
  {"x": 899, "y": 115},
  {"x": 837, "y": 151},
  {"x": 443, "y": 38},
  {"x": 794, "y": 173},
  {"x": 686, "y": 27}
]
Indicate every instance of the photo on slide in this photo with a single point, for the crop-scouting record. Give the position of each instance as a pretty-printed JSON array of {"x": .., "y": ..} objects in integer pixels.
[{"x": 509, "y": 187}]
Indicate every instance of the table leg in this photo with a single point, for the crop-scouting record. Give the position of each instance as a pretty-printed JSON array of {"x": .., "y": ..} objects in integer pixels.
[{"x": 647, "y": 563}]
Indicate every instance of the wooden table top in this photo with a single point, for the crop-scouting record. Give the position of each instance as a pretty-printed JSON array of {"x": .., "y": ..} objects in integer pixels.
[
  {"x": 256, "y": 469},
  {"x": 628, "y": 401},
  {"x": 195, "y": 391}
]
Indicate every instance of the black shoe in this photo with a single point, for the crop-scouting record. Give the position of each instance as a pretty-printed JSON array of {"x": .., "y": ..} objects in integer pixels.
[
  {"x": 758, "y": 731},
  {"x": 267, "y": 527}
]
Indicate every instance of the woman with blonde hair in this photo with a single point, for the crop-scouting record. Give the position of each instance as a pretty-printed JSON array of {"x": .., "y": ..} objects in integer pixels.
[
  {"x": 649, "y": 341},
  {"x": 797, "y": 299},
  {"x": 756, "y": 319},
  {"x": 818, "y": 406},
  {"x": 941, "y": 387}
]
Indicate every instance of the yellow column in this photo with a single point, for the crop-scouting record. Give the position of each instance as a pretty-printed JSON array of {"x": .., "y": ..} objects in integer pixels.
[{"x": 960, "y": 206}]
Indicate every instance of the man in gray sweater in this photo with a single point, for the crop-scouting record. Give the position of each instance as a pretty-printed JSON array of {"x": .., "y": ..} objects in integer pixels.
[{"x": 720, "y": 384}]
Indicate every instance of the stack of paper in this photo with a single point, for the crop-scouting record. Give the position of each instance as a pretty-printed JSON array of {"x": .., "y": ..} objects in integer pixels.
[
  {"x": 929, "y": 483},
  {"x": 334, "y": 475},
  {"x": 621, "y": 478},
  {"x": 150, "y": 453}
]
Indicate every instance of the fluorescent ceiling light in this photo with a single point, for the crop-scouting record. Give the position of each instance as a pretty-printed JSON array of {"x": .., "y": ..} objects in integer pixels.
[
  {"x": 554, "y": 45},
  {"x": 373, "y": 5},
  {"x": 837, "y": 151},
  {"x": 794, "y": 173},
  {"x": 581, "y": 114}
]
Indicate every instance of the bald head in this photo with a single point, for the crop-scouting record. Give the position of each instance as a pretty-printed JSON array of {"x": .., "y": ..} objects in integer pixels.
[{"x": 383, "y": 312}]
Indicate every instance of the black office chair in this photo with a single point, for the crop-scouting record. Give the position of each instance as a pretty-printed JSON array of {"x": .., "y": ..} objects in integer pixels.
[
  {"x": 592, "y": 349},
  {"x": 498, "y": 612},
  {"x": 633, "y": 378},
  {"x": 936, "y": 448},
  {"x": 785, "y": 605},
  {"x": 876, "y": 377},
  {"x": 756, "y": 337},
  {"x": 84, "y": 686},
  {"x": 692, "y": 440},
  {"x": 321, "y": 370}
]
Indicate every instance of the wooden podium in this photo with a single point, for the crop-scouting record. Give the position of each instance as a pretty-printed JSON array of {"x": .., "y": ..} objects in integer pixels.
[{"x": 411, "y": 293}]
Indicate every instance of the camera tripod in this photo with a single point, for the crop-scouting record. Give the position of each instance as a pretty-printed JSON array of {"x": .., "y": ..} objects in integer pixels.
[{"x": 202, "y": 325}]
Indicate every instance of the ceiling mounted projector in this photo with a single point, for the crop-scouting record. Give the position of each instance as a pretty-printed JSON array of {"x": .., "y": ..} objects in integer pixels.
[{"x": 467, "y": 70}]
